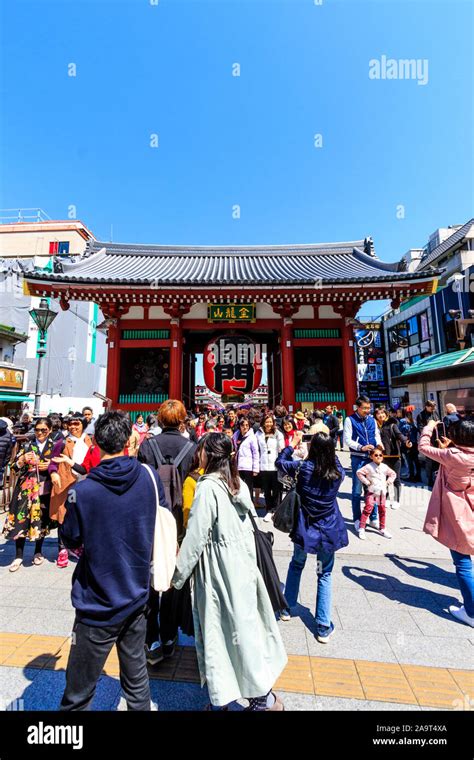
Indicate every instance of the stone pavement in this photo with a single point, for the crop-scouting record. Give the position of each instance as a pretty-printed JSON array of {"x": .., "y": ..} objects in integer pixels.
[{"x": 395, "y": 645}]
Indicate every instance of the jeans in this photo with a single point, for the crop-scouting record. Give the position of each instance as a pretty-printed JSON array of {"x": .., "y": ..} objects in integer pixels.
[
  {"x": 87, "y": 657},
  {"x": 431, "y": 468},
  {"x": 356, "y": 464},
  {"x": 465, "y": 576},
  {"x": 371, "y": 502},
  {"x": 165, "y": 628},
  {"x": 325, "y": 564}
]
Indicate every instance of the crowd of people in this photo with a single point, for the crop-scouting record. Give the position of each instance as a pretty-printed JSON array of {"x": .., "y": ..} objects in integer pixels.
[{"x": 101, "y": 483}]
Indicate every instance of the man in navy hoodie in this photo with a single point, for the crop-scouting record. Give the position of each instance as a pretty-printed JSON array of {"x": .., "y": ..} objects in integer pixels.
[
  {"x": 361, "y": 436},
  {"x": 111, "y": 516}
]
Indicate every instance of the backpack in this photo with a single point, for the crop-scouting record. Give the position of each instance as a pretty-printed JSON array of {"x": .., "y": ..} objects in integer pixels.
[{"x": 167, "y": 469}]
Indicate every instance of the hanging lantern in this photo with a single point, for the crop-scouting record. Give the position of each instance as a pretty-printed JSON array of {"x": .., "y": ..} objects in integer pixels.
[{"x": 232, "y": 365}]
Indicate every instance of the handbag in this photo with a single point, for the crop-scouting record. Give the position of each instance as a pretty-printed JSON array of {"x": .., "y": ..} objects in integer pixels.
[
  {"x": 165, "y": 544},
  {"x": 266, "y": 565},
  {"x": 285, "y": 517}
]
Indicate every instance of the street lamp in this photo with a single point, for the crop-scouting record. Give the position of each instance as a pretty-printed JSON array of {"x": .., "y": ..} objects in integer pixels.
[{"x": 43, "y": 316}]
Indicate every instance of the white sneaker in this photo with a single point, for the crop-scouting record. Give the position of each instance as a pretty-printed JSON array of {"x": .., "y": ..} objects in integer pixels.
[
  {"x": 356, "y": 525},
  {"x": 374, "y": 524},
  {"x": 460, "y": 614},
  {"x": 395, "y": 504},
  {"x": 268, "y": 517},
  {"x": 386, "y": 533},
  {"x": 362, "y": 534}
]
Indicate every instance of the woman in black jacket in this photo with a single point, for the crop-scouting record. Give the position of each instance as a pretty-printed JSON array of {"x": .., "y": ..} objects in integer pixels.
[{"x": 392, "y": 439}]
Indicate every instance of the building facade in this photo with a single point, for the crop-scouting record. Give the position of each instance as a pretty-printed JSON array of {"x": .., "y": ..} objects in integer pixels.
[
  {"x": 428, "y": 327},
  {"x": 75, "y": 363},
  {"x": 162, "y": 305}
]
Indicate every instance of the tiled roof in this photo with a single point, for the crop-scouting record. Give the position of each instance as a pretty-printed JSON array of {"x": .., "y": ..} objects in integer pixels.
[
  {"x": 450, "y": 242},
  {"x": 115, "y": 263}
]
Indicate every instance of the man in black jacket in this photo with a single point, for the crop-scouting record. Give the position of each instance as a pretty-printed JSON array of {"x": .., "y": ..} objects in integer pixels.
[
  {"x": 331, "y": 422},
  {"x": 170, "y": 446},
  {"x": 429, "y": 413}
]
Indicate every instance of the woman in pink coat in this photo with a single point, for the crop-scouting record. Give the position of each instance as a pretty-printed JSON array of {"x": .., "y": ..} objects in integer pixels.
[{"x": 450, "y": 516}]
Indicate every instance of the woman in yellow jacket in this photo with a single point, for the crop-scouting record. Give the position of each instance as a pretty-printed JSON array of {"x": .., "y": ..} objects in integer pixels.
[{"x": 189, "y": 488}]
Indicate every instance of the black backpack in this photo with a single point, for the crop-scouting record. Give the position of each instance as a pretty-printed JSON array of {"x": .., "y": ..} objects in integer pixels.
[{"x": 167, "y": 469}]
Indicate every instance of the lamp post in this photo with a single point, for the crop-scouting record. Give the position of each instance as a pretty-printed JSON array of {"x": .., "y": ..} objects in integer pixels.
[{"x": 43, "y": 316}]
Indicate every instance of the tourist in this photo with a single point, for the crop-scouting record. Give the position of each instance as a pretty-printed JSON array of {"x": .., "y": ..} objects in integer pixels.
[
  {"x": 289, "y": 429},
  {"x": 300, "y": 420},
  {"x": 376, "y": 476},
  {"x": 239, "y": 648},
  {"x": 452, "y": 415},
  {"x": 220, "y": 423},
  {"x": 450, "y": 515},
  {"x": 75, "y": 448},
  {"x": 320, "y": 528},
  {"x": 92, "y": 459},
  {"x": 87, "y": 413},
  {"x": 190, "y": 482},
  {"x": 317, "y": 423},
  {"x": 7, "y": 441},
  {"x": 340, "y": 430},
  {"x": 231, "y": 420},
  {"x": 201, "y": 425},
  {"x": 111, "y": 582},
  {"x": 56, "y": 426},
  {"x": 270, "y": 443},
  {"x": 280, "y": 413},
  {"x": 331, "y": 422},
  {"x": 428, "y": 414},
  {"x": 392, "y": 440},
  {"x": 248, "y": 455},
  {"x": 171, "y": 454},
  {"x": 227, "y": 430},
  {"x": 210, "y": 426},
  {"x": 361, "y": 435},
  {"x": 28, "y": 515},
  {"x": 141, "y": 428},
  {"x": 408, "y": 428}
]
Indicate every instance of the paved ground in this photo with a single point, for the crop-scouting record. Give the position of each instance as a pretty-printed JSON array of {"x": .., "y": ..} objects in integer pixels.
[{"x": 395, "y": 644}]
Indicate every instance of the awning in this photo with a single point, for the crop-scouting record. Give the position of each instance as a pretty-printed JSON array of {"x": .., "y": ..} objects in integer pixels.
[
  {"x": 449, "y": 360},
  {"x": 15, "y": 397}
]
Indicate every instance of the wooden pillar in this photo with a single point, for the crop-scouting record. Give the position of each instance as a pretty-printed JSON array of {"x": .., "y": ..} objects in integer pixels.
[
  {"x": 348, "y": 312},
  {"x": 176, "y": 312},
  {"x": 287, "y": 354},
  {"x": 112, "y": 313}
]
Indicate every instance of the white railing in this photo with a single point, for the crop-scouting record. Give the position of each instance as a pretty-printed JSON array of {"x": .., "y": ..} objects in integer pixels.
[{"x": 12, "y": 215}]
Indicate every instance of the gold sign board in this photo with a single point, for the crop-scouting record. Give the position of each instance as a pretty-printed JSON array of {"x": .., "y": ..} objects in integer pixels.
[
  {"x": 231, "y": 312},
  {"x": 11, "y": 378}
]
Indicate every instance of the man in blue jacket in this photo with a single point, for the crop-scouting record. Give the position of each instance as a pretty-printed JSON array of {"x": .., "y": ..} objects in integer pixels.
[
  {"x": 361, "y": 435},
  {"x": 111, "y": 517}
]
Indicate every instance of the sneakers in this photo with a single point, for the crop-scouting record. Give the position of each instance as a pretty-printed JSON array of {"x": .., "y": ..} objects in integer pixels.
[
  {"x": 386, "y": 533},
  {"x": 285, "y": 615},
  {"x": 395, "y": 504},
  {"x": 362, "y": 534},
  {"x": 460, "y": 614},
  {"x": 268, "y": 517},
  {"x": 324, "y": 632},
  {"x": 15, "y": 565},
  {"x": 374, "y": 524},
  {"x": 154, "y": 654},
  {"x": 38, "y": 559},
  {"x": 169, "y": 647},
  {"x": 277, "y": 706},
  {"x": 63, "y": 559}
]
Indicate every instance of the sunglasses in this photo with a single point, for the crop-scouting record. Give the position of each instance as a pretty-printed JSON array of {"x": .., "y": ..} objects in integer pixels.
[{"x": 41, "y": 430}]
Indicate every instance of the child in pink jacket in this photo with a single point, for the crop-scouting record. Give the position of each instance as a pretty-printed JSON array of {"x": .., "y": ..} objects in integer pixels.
[
  {"x": 377, "y": 476},
  {"x": 450, "y": 516}
]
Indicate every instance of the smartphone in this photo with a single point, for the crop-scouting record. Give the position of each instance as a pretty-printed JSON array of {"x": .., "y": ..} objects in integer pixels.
[{"x": 440, "y": 430}]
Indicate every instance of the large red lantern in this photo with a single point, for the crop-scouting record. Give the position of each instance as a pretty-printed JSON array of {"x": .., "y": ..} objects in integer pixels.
[{"x": 232, "y": 365}]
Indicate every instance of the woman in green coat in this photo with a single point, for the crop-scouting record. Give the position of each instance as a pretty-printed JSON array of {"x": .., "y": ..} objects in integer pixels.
[{"x": 239, "y": 647}]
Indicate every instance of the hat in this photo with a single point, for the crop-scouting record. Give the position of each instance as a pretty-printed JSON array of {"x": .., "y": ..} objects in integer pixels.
[{"x": 299, "y": 416}]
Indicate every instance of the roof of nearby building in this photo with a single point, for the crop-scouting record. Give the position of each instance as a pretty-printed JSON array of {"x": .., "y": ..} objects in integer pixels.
[
  {"x": 441, "y": 361},
  {"x": 450, "y": 242},
  {"x": 12, "y": 335},
  {"x": 116, "y": 263}
]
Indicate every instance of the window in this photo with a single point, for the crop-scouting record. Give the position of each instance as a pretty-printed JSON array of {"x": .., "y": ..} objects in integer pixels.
[
  {"x": 424, "y": 326},
  {"x": 398, "y": 336},
  {"x": 397, "y": 368},
  {"x": 414, "y": 359},
  {"x": 413, "y": 332}
]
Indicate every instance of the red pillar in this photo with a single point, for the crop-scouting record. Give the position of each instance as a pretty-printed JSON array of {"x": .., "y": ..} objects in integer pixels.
[
  {"x": 176, "y": 359},
  {"x": 349, "y": 365},
  {"x": 113, "y": 363},
  {"x": 287, "y": 362}
]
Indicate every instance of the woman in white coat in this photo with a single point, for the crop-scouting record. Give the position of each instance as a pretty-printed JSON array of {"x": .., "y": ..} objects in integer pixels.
[{"x": 239, "y": 647}]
